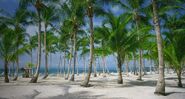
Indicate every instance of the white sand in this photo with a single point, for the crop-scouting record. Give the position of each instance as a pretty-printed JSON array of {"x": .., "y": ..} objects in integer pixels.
[{"x": 103, "y": 88}]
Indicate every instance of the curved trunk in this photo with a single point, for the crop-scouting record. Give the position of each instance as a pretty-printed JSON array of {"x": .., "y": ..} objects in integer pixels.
[
  {"x": 119, "y": 70},
  {"x": 85, "y": 83},
  {"x": 36, "y": 75},
  {"x": 46, "y": 52},
  {"x": 160, "y": 88},
  {"x": 6, "y": 79}
]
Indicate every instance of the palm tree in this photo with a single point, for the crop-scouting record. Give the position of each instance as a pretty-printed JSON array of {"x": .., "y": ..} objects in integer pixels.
[
  {"x": 38, "y": 5},
  {"x": 136, "y": 10},
  {"x": 74, "y": 10},
  {"x": 160, "y": 88},
  {"x": 18, "y": 22},
  {"x": 118, "y": 39},
  {"x": 7, "y": 46},
  {"x": 32, "y": 44},
  {"x": 47, "y": 15},
  {"x": 91, "y": 11},
  {"x": 173, "y": 51},
  {"x": 90, "y": 16}
]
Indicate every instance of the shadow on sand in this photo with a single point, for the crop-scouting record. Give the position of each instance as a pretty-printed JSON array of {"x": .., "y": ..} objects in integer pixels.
[{"x": 170, "y": 93}]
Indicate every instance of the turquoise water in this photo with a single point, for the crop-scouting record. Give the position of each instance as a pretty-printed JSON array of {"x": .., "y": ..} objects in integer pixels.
[{"x": 80, "y": 70}]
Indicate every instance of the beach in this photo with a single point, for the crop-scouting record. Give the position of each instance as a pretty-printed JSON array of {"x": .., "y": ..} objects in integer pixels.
[{"x": 102, "y": 88}]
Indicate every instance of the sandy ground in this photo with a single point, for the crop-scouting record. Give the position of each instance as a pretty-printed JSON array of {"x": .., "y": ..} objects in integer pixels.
[{"x": 103, "y": 88}]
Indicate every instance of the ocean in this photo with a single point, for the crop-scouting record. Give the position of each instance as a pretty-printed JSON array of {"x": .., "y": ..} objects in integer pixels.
[{"x": 80, "y": 70}]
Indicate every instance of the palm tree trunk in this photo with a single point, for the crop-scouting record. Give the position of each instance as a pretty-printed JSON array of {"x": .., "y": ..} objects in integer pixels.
[
  {"x": 134, "y": 64},
  {"x": 103, "y": 65},
  {"x": 58, "y": 70},
  {"x": 120, "y": 79},
  {"x": 106, "y": 68},
  {"x": 144, "y": 71},
  {"x": 160, "y": 88},
  {"x": 17, "y": 69},
  {"x": 95, "y": 75},
  {"x": 84, "y": 66},
  {"x": 36, "y": 75},
  {"x": 179, "y": 72},
  {"x": 127, "y": 63},
  {"x": 74, "y": 57},
  {"x": 64, "y": 64},
  {"x": 46, "y": 52},
  {"x": 150, "y": 66},
  {"x": 6, "y": 79},
  {"x": 85, "y": 83},
  {"x": 13, "y": 69},
  {"x": 140, "y": 66},
  {"x": 77, "y": 66},
  {"x": 69, "y": 65}
]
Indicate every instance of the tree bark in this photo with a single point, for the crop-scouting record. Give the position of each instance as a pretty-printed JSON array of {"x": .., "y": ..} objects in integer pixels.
[
  {"x": 160, "y": 87},
  {"x": 36, "y": 75},
  {"x": 95, "y": 75},
  {"x": 77, "y": 66},
  {"x": 46, "y": 52},
  {"x": 74, "y": 56},
  {"x": 64, "y": 64},
  {"x": 140, "y": 65},
  {"x": 127, "y": 67},
  {"x": 59, "y": 64},
  {"x": 150, "y": 66},
  {"x": 103, "y": 64},
  {"x": 6, "y": 79},
  {"x": 84, "y": 66},
  {"x": 179, "y": 72},
  {"x": 134, "y": 64},
  {"x": 85, "y": 83},
  {"x": 119, "y": 70},
  {"x": 69, "y": 65},
  {"x": 17, "y": 69}
]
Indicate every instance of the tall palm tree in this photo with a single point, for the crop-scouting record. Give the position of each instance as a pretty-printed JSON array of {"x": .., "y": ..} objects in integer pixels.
[
  {"x": 119, "y": 40},
  {"x": 160, "y": 88},
  {"x": 173, "y": 51},
  {"x": 38, "y": 5},
  {"x": 74, "y": 10},
  {"x": 92, "y": 8},
  {"x": 136, "y": 9},
  {"x": 18, "y": 22},
  {"x": 7, "y": 46},
  {"x": 48, "y": 16},
  {"x": 90, "y": 16}
]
